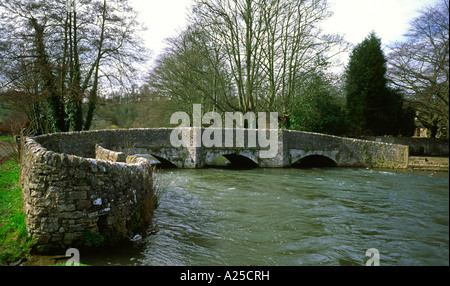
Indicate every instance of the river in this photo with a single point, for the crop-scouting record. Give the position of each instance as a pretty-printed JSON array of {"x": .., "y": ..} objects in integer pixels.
[{"x": 266, "y": 217}]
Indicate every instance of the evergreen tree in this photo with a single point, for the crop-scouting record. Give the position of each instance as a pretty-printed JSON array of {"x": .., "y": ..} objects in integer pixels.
[{"x": 372, "y": 106}]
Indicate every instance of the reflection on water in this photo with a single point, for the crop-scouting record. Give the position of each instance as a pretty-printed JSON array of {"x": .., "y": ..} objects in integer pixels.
[{"x": 294, "y": 217}]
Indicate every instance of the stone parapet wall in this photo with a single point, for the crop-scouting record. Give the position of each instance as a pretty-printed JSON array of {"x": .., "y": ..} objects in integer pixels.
[
  {"x": 66, "y": 195},
  {"x": 108, "y": 155},
  {"x": 83, "y": 143},
  {"x": 347, "y": 152}
]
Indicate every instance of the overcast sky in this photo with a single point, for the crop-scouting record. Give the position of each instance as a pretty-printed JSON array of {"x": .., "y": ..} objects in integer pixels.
[{"x": 353, "y": 18}]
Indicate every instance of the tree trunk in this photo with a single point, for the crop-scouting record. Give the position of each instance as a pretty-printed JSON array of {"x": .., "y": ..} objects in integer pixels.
[
  {"x": 75, "y": 100},
  {"x": 56, "y": 111},
  {"x": 93, "y": 93}
]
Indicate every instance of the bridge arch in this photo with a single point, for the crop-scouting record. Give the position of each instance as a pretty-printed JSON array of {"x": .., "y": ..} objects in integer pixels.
[
  {"x": 314, "y": 161},
  {"x": 240, "y": 161},
  {"x": 163, "y": 163},
  {"x": 233, "y": 160},
  {"x": 158, "y": 160}
]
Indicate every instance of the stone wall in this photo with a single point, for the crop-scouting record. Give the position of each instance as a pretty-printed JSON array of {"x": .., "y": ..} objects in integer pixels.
[
  {"x": 429, "y": 163},
  {"x": 346, "y": 152},
  {"x": 67, "y": 196},
  {"x": 418, "y": 146},
  {"x": 83, "y": 143},
  {"x": 108, "y": 155}
]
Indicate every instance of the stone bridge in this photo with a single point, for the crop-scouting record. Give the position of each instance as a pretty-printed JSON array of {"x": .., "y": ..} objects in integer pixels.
[
  {"x": 84, "y": 183},
  {"x": 294, "y": 149}
]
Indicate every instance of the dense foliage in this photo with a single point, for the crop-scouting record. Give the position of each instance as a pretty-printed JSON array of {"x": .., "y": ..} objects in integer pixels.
[{"x": 317, "y": 109}]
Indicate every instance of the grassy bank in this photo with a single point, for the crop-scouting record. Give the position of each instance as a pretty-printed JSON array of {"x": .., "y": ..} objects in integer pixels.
[
  {"x": 14, "y": 242},
  {"x": 6, "y": 138}
]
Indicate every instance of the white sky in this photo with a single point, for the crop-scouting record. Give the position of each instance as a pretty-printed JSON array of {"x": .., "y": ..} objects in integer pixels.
[
  {"x": 163, "y": 18},
  {"x": 353, "y": 18},
  {"x": 388, "y": 18}
]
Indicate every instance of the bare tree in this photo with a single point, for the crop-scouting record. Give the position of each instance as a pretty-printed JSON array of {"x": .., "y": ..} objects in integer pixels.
[
  {"x": 266, "y": 45},
  {"x": 420, "y": 66},
  {"x": 191, "y": 71},
  {"x": 295, "y": 47},
  {"x": 74, "y": 47},
  {"x": 231, "y": 26}
]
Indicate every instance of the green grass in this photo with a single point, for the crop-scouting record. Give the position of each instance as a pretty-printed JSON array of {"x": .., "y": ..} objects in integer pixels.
[
  {"x": 14, "y": 241},
  {"x": 6, "y": 138}
]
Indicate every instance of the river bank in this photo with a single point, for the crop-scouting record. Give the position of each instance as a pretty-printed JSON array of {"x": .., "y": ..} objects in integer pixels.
[
  {"x": 421, "y": 163},
  {"x": 14, "y": 243}
]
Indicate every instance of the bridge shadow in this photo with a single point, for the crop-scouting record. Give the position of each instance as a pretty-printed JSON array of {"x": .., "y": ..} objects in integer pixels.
[
  {"x": 314, "y": 161},
  {"x": 232, "y": 162},
  {"x": 164, "y": 164},
  {"x": 159, "y": 162},
  {"x": 239, "y": 162}
]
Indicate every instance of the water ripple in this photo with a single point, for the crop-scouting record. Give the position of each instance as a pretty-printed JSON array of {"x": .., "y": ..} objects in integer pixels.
[{"x": 298, "y": 217}]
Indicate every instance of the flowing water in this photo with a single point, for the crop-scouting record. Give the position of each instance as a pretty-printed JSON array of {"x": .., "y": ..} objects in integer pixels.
[{"x": 267, "y": 217}]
